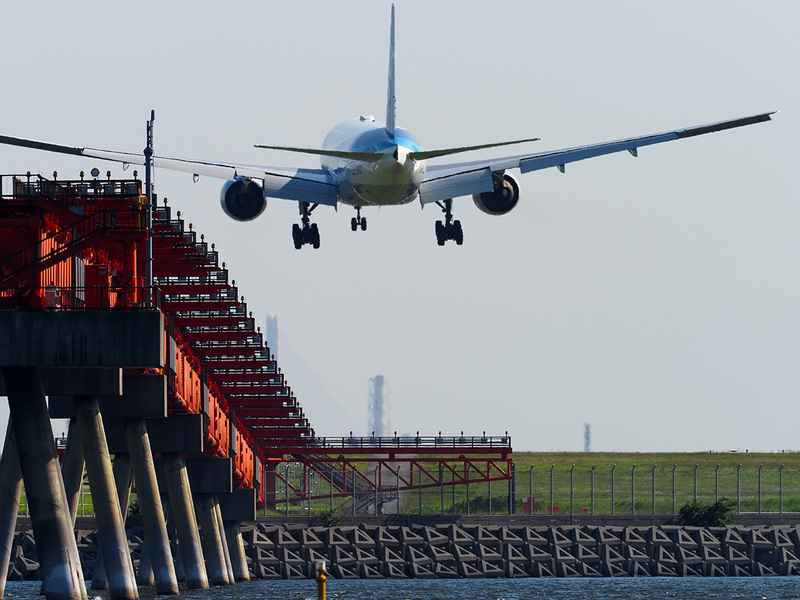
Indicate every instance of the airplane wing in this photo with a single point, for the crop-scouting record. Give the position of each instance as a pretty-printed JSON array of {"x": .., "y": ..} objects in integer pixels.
[
  {"x": 303, "y": 185},
  {"x": 475, "y": 177}
]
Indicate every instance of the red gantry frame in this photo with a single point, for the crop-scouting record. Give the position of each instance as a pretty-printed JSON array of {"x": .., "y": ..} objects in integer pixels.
[{"x": 80, "y": 245}]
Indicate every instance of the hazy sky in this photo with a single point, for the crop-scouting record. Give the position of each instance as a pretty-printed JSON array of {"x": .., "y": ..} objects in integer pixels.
[{"x": 657, "y": 298}]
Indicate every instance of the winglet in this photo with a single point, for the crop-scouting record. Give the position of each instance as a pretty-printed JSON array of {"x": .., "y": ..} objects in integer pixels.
[{"x": 390, "y": 96}]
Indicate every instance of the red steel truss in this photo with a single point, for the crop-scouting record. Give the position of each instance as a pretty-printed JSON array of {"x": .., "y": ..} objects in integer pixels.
[{"x": 79, "y": 245}]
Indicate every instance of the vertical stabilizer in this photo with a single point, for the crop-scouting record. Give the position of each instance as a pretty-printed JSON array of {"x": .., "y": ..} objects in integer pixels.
[{"x": 390, "y": 97}]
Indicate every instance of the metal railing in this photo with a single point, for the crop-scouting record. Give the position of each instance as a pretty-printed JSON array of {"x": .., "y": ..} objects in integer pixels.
[{"x": 408, "y": 441}]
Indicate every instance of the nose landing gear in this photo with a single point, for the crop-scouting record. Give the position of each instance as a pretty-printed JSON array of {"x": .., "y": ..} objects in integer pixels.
[
  {"x": 450, "y": 229},
  {"x": 358, "y": 221},
  {"x": 308, "y": 233}
]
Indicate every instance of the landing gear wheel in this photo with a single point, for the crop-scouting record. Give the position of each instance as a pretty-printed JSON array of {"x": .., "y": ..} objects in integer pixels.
[
  {"x": 449, "y": 229},
  {"x": 441, "y": 237},
  {"x": 297, "y": 236},
  {"x": 313, "y": 236},
  {"x": 307, "y": 233},
  {"x": 358, "y": 221}
]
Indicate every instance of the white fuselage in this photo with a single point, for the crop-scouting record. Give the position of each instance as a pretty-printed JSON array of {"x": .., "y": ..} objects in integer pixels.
[{"x": 393, "y": 178}]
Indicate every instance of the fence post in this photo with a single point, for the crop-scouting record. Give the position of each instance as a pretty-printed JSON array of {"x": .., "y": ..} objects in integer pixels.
[
  {"x": 633, "y": 490},
  {"x": 490, "y": 492},
  {"x": 593, "y": 489},
  {"x": 716, "y": 484},
  {"x": 441, "y": 490},
  {"x": 530, "y": 488},
  {"x": 571, "y": 488},
  {"x": 453, "y": 491},
  {"x": 551, "y": 488},
  {"x": 613, "y": 467},
  {"x": 695, "y": 483},
  {"x": 467, "y": 493},
  {"x": 512, "y": 488},
  {"x": 738, "y": 489},
  {"x": 419, "y": 487},
  {"x": 286, "y": 477},
  {"x": 673, "y": 488},
  {"x": 759, "y": 487},
  {"x": 780, "y": 488},
  {"x": 397, "y": 479},
  {"x": 354, "y": 491},
  {"x": 376, "y": 489},
  {"x": 654, "y": 489},
  {"x": 331, "y": 482}
]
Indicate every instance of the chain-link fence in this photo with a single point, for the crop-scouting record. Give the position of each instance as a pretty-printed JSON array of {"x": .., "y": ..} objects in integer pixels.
[
  {"x": 651, "y": 489},
  {"x": 542, "y": 489}
]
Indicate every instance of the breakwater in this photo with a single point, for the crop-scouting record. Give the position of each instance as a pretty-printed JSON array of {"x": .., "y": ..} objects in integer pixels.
[{"x": 464, "y": 550}]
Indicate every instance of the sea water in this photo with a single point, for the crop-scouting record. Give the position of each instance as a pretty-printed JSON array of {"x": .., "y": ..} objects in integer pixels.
[{"x": 655, "y": 588}]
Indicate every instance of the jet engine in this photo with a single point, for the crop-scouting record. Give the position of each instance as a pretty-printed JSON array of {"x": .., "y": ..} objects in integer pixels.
[
  {"x": 501, "y": 199},
  {"x": 242, "y": 199}
]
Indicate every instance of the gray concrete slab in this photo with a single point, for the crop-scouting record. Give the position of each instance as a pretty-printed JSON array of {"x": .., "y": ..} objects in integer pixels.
[
  {"x": 138, "y": 395},
  {"x": 105, "y": 381},
  {"x": 176, "y": 433},
  {"x": 131, "y": 339}
]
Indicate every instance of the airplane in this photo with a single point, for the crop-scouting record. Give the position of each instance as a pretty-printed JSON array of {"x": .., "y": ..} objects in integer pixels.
[{"x": 364, "y": 162}]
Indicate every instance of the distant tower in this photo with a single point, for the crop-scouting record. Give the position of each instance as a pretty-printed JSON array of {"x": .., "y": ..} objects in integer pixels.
[
  {"x": 378, "y": 405},
  {"x": 587, "y": 437},
  {"x": 272, "y": 335}
]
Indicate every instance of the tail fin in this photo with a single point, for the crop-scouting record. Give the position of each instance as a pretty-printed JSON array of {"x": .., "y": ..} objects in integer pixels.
[{"x": 390, "y": 97}]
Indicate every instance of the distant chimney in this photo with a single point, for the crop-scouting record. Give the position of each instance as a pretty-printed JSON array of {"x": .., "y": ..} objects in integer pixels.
[{"x": 378, "y": 406}]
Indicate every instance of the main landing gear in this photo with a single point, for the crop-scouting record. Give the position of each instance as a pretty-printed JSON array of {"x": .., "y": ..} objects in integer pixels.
[
  {"x": 308, "y": 233},
  {"x": 450, "y": 229},
  {"x": 358, "y": 221}
]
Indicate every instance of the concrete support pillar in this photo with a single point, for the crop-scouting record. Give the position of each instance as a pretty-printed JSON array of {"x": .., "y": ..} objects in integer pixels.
[
  {"x": 72, "y": 469},
  {"x": 10, "y": 492},
  {"x": 121, "y": 469},
  {"x": 180, "y": 499},
  {"x": 213, "y": 546},
  {"x": 233, "y": 534},
  {"x": 144, "y": 574},
  {"x": 221, "y": 527},
  {"x": 123, "y": 477},
  {"x": 62, "y": 576},
  {"x": 110, "y": 530},
  {"x": 99, "y": 579},
  {"x": 155, "y": 528}
]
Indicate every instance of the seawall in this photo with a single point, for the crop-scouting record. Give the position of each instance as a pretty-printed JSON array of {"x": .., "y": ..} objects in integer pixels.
[{"x": 499, "y": 546}]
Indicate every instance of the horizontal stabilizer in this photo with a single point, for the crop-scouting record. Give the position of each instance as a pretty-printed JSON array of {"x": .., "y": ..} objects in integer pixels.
[
  {"x": 362, "y": 156},
  {"x": 425, "y": 154}
]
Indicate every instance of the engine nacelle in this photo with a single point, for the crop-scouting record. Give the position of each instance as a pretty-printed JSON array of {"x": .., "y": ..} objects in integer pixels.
[
  {"x": 242, "y": 199},
  {"x": 502, "y": 199}
]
